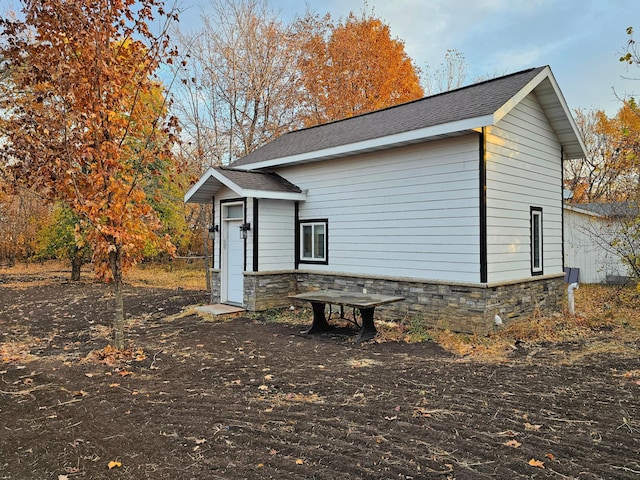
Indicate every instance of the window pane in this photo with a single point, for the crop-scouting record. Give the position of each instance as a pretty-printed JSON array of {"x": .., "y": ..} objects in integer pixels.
[
  {"x": 536, "y": 240},
  {"x": 235, "y": 211},
  {"x": 536, "y": 243},
  {"x": 313, "y": 241},
  {"x": 319, "y": 242},
  {"x": 307, "y": 241}
]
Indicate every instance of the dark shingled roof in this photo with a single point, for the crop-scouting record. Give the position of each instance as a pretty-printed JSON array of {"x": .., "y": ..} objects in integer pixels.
[
  {"x": 265, "y": 181},
  {"x": 464, "y": 103},
  {"x": 611, "y": 209}
]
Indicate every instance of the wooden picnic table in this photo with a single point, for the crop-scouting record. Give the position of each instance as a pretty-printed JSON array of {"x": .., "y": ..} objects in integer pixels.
[{"x": 365, "y": 302}]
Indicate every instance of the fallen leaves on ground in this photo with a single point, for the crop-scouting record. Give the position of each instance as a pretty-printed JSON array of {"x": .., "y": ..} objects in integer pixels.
[
  {"x": 529, "y": 426},
  {"x": 363, "y": 362},
  {"x": 111, "y": 356},
  {"x": 536, "y": 463}
]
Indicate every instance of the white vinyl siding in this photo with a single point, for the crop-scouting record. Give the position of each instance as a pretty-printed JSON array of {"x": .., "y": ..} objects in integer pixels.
[
  {"x": 523, "y": 170},
  {"x": 276, "y": 234},
  {"x": 406, "y": 212},
  {"x": 586, "y": 238}
]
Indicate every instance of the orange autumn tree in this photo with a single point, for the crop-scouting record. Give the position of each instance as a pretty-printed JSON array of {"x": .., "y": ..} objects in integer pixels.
[
  {"x": 79, "y": 124},
  {"x": 353, "y": 67},
  {"x": 609, "y": 172}
]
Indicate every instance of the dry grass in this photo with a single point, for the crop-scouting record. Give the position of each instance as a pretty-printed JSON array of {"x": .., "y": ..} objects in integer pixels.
[
  {"x": 607, "y": 321},
  {"x": 40, "y": 273},
  {"x": 51, "y": 267},
  {"x": 177, "y": 274}
]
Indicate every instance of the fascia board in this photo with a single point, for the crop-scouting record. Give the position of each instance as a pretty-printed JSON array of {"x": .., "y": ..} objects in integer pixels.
[
  {"x": 524, "y": 91},
  {"x": 212, "y": 172},
  {"x": 275, "y": 195},
  {"x": 389, "y": 141},
  {"x": 217, "y": 175},
  {"x": 569, "y": 117},
  {"x": 193, "y": 190},
  {"x": 247, "y": 193},
  {"x": 528, "y": 88}
]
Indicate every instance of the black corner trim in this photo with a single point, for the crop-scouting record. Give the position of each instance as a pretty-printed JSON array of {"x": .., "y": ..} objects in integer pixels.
[
  {"x": 296, "y": 233},
  {"x": 255, "y": 234},
  {"x": 213, "y": 240},
  {"x": 482, "y": 190}
]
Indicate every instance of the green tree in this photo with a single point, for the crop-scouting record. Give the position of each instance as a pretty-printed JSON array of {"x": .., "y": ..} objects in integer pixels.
[{"x": 61, "y": 237}]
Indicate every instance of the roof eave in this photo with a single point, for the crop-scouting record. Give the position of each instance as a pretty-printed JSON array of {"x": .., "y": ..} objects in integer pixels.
[
  {"x": 194, "y": 195},
  {"x": 381, "y": 143},
  {"x": 213, "y": 180},
  {"x": 265, "y": 194},
  {"x": 208, "y": 185},
  {"x": 582, "y": 211}
]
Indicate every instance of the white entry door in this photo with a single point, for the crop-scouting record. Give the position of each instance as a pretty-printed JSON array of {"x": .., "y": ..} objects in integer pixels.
[{"x": 233, "y": 246}]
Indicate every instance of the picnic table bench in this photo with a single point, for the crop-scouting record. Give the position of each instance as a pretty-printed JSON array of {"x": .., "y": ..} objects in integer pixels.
[{"x": 365, "y": 302}]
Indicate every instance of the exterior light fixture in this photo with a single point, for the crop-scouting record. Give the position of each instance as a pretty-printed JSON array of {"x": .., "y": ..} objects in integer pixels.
[
  {"x": 244, "y": 228},
  {"x": 212, "y": 230}
]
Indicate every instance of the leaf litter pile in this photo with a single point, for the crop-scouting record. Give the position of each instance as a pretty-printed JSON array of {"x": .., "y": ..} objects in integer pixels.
[{"x": 248, "y": 397}]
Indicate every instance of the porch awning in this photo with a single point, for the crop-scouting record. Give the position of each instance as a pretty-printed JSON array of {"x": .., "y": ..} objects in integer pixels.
[{"x": 245, "y": 184}]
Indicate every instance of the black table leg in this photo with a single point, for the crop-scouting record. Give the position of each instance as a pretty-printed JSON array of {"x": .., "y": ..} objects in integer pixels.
[
  {"x": 368, "y": 330},
  {"x": 320, "y": 323}
]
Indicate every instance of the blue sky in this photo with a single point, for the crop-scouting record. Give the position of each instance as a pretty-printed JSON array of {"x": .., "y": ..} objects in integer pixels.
[{"x": 580, "y": 39}]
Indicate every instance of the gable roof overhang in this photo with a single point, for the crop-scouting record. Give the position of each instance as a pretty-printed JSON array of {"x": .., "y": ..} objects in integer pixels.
[
  {"x": 449, "y": 114},
  {"x": 244, "y": 184},
  {"x": 555, "y": 107}
]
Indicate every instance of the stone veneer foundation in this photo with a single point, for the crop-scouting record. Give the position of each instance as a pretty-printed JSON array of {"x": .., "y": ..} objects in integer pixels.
[{"x": 462, "y": 307}]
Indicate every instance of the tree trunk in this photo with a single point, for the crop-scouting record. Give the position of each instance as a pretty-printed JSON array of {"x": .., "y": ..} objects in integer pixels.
[
  {"x": 76, "y": 265},
  {"x": 115, "y": 263}
]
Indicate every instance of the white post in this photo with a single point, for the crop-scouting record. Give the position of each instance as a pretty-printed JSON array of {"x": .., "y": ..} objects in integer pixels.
[{"x": 570, "y": 297}]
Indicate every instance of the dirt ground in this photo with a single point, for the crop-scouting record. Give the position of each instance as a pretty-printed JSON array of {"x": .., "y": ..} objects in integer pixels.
[{"x": 243, "y": 397}]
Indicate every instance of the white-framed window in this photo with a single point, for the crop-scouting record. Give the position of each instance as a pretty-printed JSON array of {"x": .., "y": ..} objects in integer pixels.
[
  {"x": 313, "y": 241},
  {"x": 536, "y": 241}
]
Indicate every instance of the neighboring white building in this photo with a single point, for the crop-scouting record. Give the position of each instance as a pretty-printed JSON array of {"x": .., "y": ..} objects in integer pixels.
[
  {"x": 588, "y": 229},
  {"x": 453, "y": 201}
]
